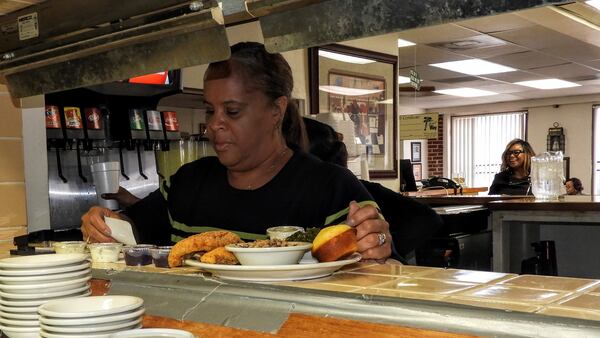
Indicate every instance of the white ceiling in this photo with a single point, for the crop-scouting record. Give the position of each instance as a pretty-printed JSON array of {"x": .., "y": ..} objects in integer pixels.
[{"x": 554, "y": 41}]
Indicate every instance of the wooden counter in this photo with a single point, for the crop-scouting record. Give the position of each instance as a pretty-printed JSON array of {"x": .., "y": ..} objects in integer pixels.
[
  {"x": 463, "y": 200},
  {"x": 446, "y": 192}
]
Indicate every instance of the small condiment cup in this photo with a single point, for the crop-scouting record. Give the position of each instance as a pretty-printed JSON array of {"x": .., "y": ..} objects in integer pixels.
[
  {"x": 69, "y": 247},
  {"x": 283, "y": 232},
  {"x": 137, "y": 255},
  {"x": 160, "y": 256},
  {"x": 105, "y": 252}
]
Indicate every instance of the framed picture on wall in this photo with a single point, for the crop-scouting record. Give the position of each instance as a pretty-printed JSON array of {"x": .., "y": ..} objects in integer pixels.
[
  {"x": 417, "y": 171},
  {"x": 415, "y": 152}
]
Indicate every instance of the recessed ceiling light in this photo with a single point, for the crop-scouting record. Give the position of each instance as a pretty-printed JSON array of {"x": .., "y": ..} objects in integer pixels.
[
  {"x": 344, "y": 58},
  {"x": 474, "y": 67},
  {"x": 465, "y": 92},
  {"x": 594, "y": 3},
  {"x": 403, "y": 79},
  {"x": 548, "y": 84},
  {"x": 404, "y": 43}
]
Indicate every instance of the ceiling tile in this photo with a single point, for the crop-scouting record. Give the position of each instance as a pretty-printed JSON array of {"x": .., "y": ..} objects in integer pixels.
[
  {"x": 484, "y": 53},
  {"x": 437, "y": 33},
  {"x": 565, "y": 71},
  {"x": 496, "y": 23},
  {"x": 527, "y": 60},
  {"x": 423, "y": 55},
  {"x": 512, "y": 77}
]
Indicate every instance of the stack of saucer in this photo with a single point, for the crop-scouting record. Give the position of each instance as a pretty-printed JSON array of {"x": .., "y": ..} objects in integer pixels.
[
  {"x": 29, "y": 281},
  {"x": 95, "y": 317}
]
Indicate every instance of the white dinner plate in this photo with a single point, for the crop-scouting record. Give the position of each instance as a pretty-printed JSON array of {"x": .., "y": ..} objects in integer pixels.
[
  {"x": 104, "y": 334},
  {"x": 89, "y": 306},
  {"x": 26, "y": 316},
  {"x": 40, "y": 261},
  {"x": 43, "y": 297},
  {"x": 44, "y": 288},
  {"x": 19, "y": 322},
  {"x": 92, "y": 328},
  {"x": 21, "y": 332},
  {"x": 46, "y": 271},
  {"x": 274, "y": 273},
  {"x": 93, "y": 320},
  {"x": 18, "y": 309},
  {"x": 154, "y": 333},
  {"x": 24, "y": 280}
]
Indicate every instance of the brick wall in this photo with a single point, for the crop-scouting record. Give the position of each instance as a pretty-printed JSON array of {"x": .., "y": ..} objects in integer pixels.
[
  {"x": 13, "y": 213},
  {"x": 435, "y": 151}
]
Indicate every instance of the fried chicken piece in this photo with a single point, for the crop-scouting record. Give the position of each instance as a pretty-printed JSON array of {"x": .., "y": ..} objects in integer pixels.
[
  {"x": 219, "y": 256},
  {"x": 205, "y": 241}
]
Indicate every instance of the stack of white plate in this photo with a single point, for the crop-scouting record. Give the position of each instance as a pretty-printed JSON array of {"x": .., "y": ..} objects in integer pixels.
[
  {"x": 29, "y": 281},
  {"x": 95, "y": 317}
]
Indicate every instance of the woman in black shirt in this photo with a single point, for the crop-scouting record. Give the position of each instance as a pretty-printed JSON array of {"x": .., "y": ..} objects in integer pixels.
[{"x": 513, "y": 179}]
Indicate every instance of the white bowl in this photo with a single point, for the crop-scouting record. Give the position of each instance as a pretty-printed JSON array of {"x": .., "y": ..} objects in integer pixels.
[
  {"x": 21, "y": 332},
  {"x": 25, "y": 316},
  {"x": 103, "y": 334},
  {"x": 18, "y": 309},
  {"x": 89, "y": 306},
  {"x": 35, "y": 300},
  {"x": 154, "y": 333},
  {"x": 92, "y": 328},
  {"x": 19, "y": 322},
  {"x": 283, "y": 232},
  {"x": 44, "y": 288},
  {"x": 92, "y": 320},
  {"x": 270, "y": 256}
]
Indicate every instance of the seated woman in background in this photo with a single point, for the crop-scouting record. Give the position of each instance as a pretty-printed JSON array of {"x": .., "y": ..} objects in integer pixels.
[
  {"x": 513, "y": 178},
  {"x": 573, "y": 186}
]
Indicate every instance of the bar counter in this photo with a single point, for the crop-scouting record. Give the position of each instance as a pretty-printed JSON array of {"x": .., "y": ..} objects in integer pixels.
[{"x": 363, "y": 299}]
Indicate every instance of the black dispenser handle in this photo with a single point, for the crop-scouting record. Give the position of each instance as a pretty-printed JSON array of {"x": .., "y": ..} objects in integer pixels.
[
  {"x": 122, "y": 163},
  {"x": 79, "y": 169},
  {"x": 59, "y": 166},
  {"x": 139, "y": 157}
]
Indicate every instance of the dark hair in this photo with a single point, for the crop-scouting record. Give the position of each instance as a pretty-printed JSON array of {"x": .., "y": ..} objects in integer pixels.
[
  {"x": 577, "y": 185},
  {"x": 527, "y": 150},
  {"x": 324, "y": 142},
  {"x": 270, "y": 74}
]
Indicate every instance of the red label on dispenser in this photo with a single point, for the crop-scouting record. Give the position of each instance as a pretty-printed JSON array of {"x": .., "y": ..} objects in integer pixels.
[
  {"x": 93, "y": 119},
  {"x": 73, "y": 118},
  {"x": 154, "y": 122},
  {"x": 171, "y": 121},
  {"x": 52, "y": 117}
]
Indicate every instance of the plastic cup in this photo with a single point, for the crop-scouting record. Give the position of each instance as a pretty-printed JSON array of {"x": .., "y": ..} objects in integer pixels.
[{"x": 106, "y": 180}]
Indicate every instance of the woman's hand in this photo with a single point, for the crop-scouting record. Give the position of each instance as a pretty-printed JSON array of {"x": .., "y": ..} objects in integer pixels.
[
  {"x": 93, "y": 228},
  {"x": 123, "y": 197},
  {"x": 372, "y": 232}
]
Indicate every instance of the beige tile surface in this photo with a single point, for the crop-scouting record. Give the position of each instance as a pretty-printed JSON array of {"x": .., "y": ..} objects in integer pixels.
[
  {"x": 394, "y": 270},
  {"x": 401, "y": 294},
  {"x": 550, "y": 283},
  {"x": 358, "y": 265},
  {"x": 321, "y": 286},
  {"x": 12, "y": 205},
  {"x": 468, "y": 276},
  {"x": 499, "y": 293},
  {"x": 585, "y": 301},
  {"x": 594, "y": 289},
  {"x": 11, "y": 118},
  {"x": 571, "y": 313},
  {"x": 425, "y": 286},
  {"x": 355, "y": 279},
  {"x": 11, "y": 161},
  {"x": 518, "y": 307}
]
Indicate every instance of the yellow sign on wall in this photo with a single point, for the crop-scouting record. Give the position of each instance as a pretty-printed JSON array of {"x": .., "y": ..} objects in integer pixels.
[{"x": 418, "y": 127}]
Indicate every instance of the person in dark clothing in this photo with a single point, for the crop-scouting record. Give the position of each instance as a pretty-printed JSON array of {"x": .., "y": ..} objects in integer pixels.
[
  {"x": 411, "y": 222},
  {"x": 259, "y": 178},
  {"x": 513, "y": 178}
]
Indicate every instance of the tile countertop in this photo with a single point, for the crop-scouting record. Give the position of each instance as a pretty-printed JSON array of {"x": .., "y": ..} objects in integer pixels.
[{"x": 554, "y": 296}]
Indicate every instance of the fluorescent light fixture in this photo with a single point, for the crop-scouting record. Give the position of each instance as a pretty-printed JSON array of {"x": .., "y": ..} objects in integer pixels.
[
  {"x": 404, "y": 43},
  {"x": 465, "y": 92},
  {"x": 348, "y": 91},
  {"x": 474, "y": 67},
  {"x": 594, "y": 3},
  {"x": 344, "y": 58},
  {"x": 548, "y": 84},
  {"x": 403, "y": 79}
]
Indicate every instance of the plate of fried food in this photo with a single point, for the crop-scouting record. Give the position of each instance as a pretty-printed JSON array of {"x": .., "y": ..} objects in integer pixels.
[{"x": 220, "y": 253}]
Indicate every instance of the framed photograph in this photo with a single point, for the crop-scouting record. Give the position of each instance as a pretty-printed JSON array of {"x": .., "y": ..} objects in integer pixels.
[
  {"x": 360, "y": 92},
  {"x": 415, "y": 152},
  {"x": 417, "y": 170}
]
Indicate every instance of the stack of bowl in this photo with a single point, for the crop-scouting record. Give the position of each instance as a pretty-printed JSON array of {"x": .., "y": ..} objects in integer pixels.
[
  {"x": 95, "y": 317},
  {"x": 29, "y": 281}
]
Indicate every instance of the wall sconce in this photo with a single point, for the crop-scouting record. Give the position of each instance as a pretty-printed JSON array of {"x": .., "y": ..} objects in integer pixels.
[{"x": 556, "y": 138}]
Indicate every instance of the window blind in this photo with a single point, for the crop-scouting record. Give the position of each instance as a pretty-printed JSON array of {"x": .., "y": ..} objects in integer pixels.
[{"x": 477, "y": 143}]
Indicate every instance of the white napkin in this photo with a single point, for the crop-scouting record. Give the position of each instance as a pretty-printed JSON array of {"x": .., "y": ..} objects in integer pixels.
[{"x": 120, "y": 230}]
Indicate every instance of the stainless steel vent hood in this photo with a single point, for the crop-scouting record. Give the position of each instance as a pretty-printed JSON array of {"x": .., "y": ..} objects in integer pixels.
[{"x": 62, "y": 44}]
